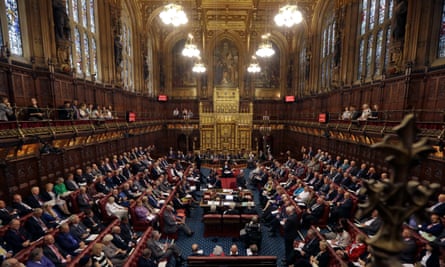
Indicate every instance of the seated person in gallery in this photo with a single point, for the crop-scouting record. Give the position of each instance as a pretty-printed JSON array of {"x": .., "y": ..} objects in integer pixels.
[{"x": 227, "y": 170}]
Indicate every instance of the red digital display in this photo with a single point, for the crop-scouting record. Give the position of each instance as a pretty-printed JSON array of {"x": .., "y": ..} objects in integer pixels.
[
  {"x": 131, "y": 116},
  {"x": 322, "y": 118},
  {"x": 162, "y": 98},
  {"x": 289, "y": 99}
]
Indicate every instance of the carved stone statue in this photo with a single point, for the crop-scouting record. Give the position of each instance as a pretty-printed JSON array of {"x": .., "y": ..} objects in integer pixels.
[
  {"x": 117, "y": 50},
  {"x": 62, "y": 26},
  {"x": 398, "y": 21}
]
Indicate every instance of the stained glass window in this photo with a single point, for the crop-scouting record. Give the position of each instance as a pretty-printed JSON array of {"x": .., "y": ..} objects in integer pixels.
[
  {"x": 85, "y": 52},
  {"x": 13, "y": 30},
  {"x": 127, "y": 50},
  {"x": 78, "y": 51},
  {"x": 441, "y": 48},
  {"x": 327, "y": 53},
  {"x": 302, "y": 62},
  {"x": 374, "y": 38}
]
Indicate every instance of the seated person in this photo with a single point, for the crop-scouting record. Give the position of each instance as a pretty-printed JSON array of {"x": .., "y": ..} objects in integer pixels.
[
  {"x": 409, "y": 252},
  {"x": 92, "y": 222},
  {"x": 434, "y": 228},
  {"x": 37, "y": 259},
  {"x": 55, "y": 254},
  {"x": 354, "y": 251},
  {"x": 114, "y": 209},
  {"x": 116, "y": 255},
  {"x": 119, "y": 241},
  {"x": 227, "y": 170},
  {"x": 172, "y": 223},
  {"x": 98, "y": 256},
  {"x": 234, "y": 250},
  {"x": 78, "y": 229},
  {"x": 371, "y": 225},
  {"x": 16, "y": 237},
  {"x": 36, "y": 226},
  {"x": 145, "y": 260},
  {"x": 196, "y": 251},
  {"x": 67, "y": 241},
  {"x": 163, "y": 250},
  {"x": 217, "y": 251}
]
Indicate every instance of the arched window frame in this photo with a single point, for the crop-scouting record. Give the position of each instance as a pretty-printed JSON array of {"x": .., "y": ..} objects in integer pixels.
[
  {"x": 373, "y": 42},
  {"x": 84, "y": 34},
  {"x": 127, "y": 73},
  {"x": 21, "y": 51},
  {"x": 328, "y": 37}
]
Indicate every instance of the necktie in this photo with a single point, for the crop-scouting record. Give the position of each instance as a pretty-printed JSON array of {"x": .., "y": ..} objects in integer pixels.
[
  {"x": 57, "y": 253},
  {"x": 42, "y": 224}
]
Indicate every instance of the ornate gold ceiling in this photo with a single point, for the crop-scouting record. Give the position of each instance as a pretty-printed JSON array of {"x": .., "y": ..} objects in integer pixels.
[{"x": 234, "y": 15}]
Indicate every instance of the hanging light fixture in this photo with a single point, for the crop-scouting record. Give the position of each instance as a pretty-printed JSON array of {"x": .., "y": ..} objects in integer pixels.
[
  {"x": 199, "y": 66},
  {"x": 288, "y": 16},
  {"x": 173, "y": 14},
  {"x": 190, "y": 48},
  {"x": 254, "y": 67},
  {"x": 265, "y": 47}
]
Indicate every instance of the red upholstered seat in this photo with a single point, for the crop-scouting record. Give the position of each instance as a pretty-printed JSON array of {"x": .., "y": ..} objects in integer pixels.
[
  {"x": 212, "y": 224},
  {"x": 231, "y": 225},
  {"x": 323, "y": 221}
]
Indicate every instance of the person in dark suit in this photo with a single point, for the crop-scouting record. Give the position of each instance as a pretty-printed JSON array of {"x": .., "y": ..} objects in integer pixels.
[
  {"x": 92, "y": 222},
  {"x": 322, "y": 257},
  {"x": 5, "y": 214},
  {"x": 55, "y": 254},
  {"x": 145, "y": 260},
  {"x": 127, "y": 232},
  {"x": 371, "y": 225},
  {"x": 70, "y": 184},
  {"x": 67, "y": 241},
  {"x": 409, "y": 252},
  {"x": 35, "y": 200},
  {"x": 84, "y": 202},
  {"x": 78, "y": 229},
  {"x": 342, "y": 209},
  {"x": 310, "y": 248},
  {"x": 435, "y": 227},
  {"x": 21, "y": 207},
  {"x": 170, "y": 250},
  {"x": 429, "y": 257},
  {"x": 101, "y": 186},
  {"x": 16, "y": 237},
  {"x": 118, "y": 241},
  {"x": 313, "y": 213},
  {"x": 36, "y": 226},
  {"x": 291, "y": 225},
  {"x": 173, "y": 224},
  {"x": 439, "y": 207}
]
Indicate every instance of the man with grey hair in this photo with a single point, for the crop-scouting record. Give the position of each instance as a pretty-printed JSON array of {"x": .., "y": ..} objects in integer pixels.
[
  {"x": 291, "y": 226},
  {"x": 161, "y": 250}
]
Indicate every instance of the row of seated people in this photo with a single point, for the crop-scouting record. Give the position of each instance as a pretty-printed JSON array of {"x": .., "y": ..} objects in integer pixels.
[
  {"x": 306, "y": 182},
  {"x": 36, "y": 197},
  {"x": 79, "y": 232}
]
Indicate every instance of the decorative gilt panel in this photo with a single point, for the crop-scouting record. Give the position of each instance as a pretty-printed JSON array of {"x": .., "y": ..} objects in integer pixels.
[{"x": 226, "y": 129}]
